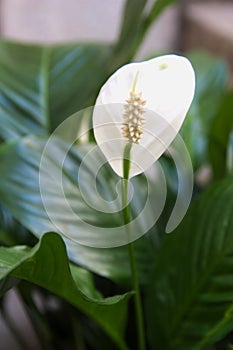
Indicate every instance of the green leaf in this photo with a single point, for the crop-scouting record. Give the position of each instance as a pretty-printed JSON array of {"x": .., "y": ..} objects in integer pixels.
[
  {"x": 211, "y": 80},
  {"x": 220, "y": 136},
  {"x": 130, "y": 31},
  {"x": 84, "y": 279},
  {"x": 20, "y": 192},
  {"x": 47, "y": 266},
  {"x": 189, "y": 303},
  {"x": 42, "y": 85},
  {"x": 157, "y": 8},
  {"x": 11, "y": 231},
  {"x": 137, "y": 20}
]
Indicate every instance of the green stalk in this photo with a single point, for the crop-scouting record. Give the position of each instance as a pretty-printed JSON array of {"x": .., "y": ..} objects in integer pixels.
[{"x": 135, "y": 282}]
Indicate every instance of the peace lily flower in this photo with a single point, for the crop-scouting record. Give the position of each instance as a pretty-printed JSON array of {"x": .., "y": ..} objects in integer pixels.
[{"x": 141, "y": 109}]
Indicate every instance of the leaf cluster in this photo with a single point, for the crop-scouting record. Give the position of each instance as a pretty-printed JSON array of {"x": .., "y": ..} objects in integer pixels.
[{"x": 186, "y": 277}]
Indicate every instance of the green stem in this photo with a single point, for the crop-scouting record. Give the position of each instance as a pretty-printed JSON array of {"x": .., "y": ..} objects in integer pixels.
[
  {"x": 135, "y": 282},
  {"x": 138, "y": 303}
]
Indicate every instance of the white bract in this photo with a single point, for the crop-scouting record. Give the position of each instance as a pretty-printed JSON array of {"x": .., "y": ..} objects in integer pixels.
[{"x": 143, "y": 104}]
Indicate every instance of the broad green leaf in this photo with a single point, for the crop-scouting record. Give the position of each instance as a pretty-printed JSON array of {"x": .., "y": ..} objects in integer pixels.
[
  {"x": 211, "y": 80},
  {"x": 220, "y": 133},
  {"x": 20, "y": 192},
  {"x": 42, "y": 85},
  {"x": 131, "y": 30},
  {"x": 157, "y": 8},
  {"x": 84, "y": 279},
  {"x": 11, "y": 231},
  {"x": 137, "y": 20},
  {"x": 189, "y": 302},
  {"x": 113, "y": 263},
  {"x": 47, "y": 266}
]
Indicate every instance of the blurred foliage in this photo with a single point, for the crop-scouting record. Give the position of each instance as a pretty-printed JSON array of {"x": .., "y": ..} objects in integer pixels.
[
  {"x": 221, "y": 139},
  {"x": 211, "y": 83},
  {"x": 191, "y": 286},
  {"x": 31, "y": 265},
  {"x": 186, "y": 277},
  {"x": 32, "y": 78}
]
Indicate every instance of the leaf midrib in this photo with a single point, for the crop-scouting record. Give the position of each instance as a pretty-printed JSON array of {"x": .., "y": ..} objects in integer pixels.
[
  {"x": 44, "y": 86},
  {"x": 190, "y": 298}
]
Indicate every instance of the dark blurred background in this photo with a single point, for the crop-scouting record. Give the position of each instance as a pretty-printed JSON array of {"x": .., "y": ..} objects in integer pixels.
[{"x": 191, "y": 24}]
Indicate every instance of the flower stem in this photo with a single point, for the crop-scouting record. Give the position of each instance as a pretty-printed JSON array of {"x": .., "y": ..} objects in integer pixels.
[
  {"x": 138, "y": 303},
  {"x": 135, "y": 281}
]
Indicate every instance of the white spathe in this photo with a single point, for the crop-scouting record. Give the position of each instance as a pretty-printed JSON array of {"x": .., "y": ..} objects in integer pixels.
[{"x": 167, "y": 83}]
